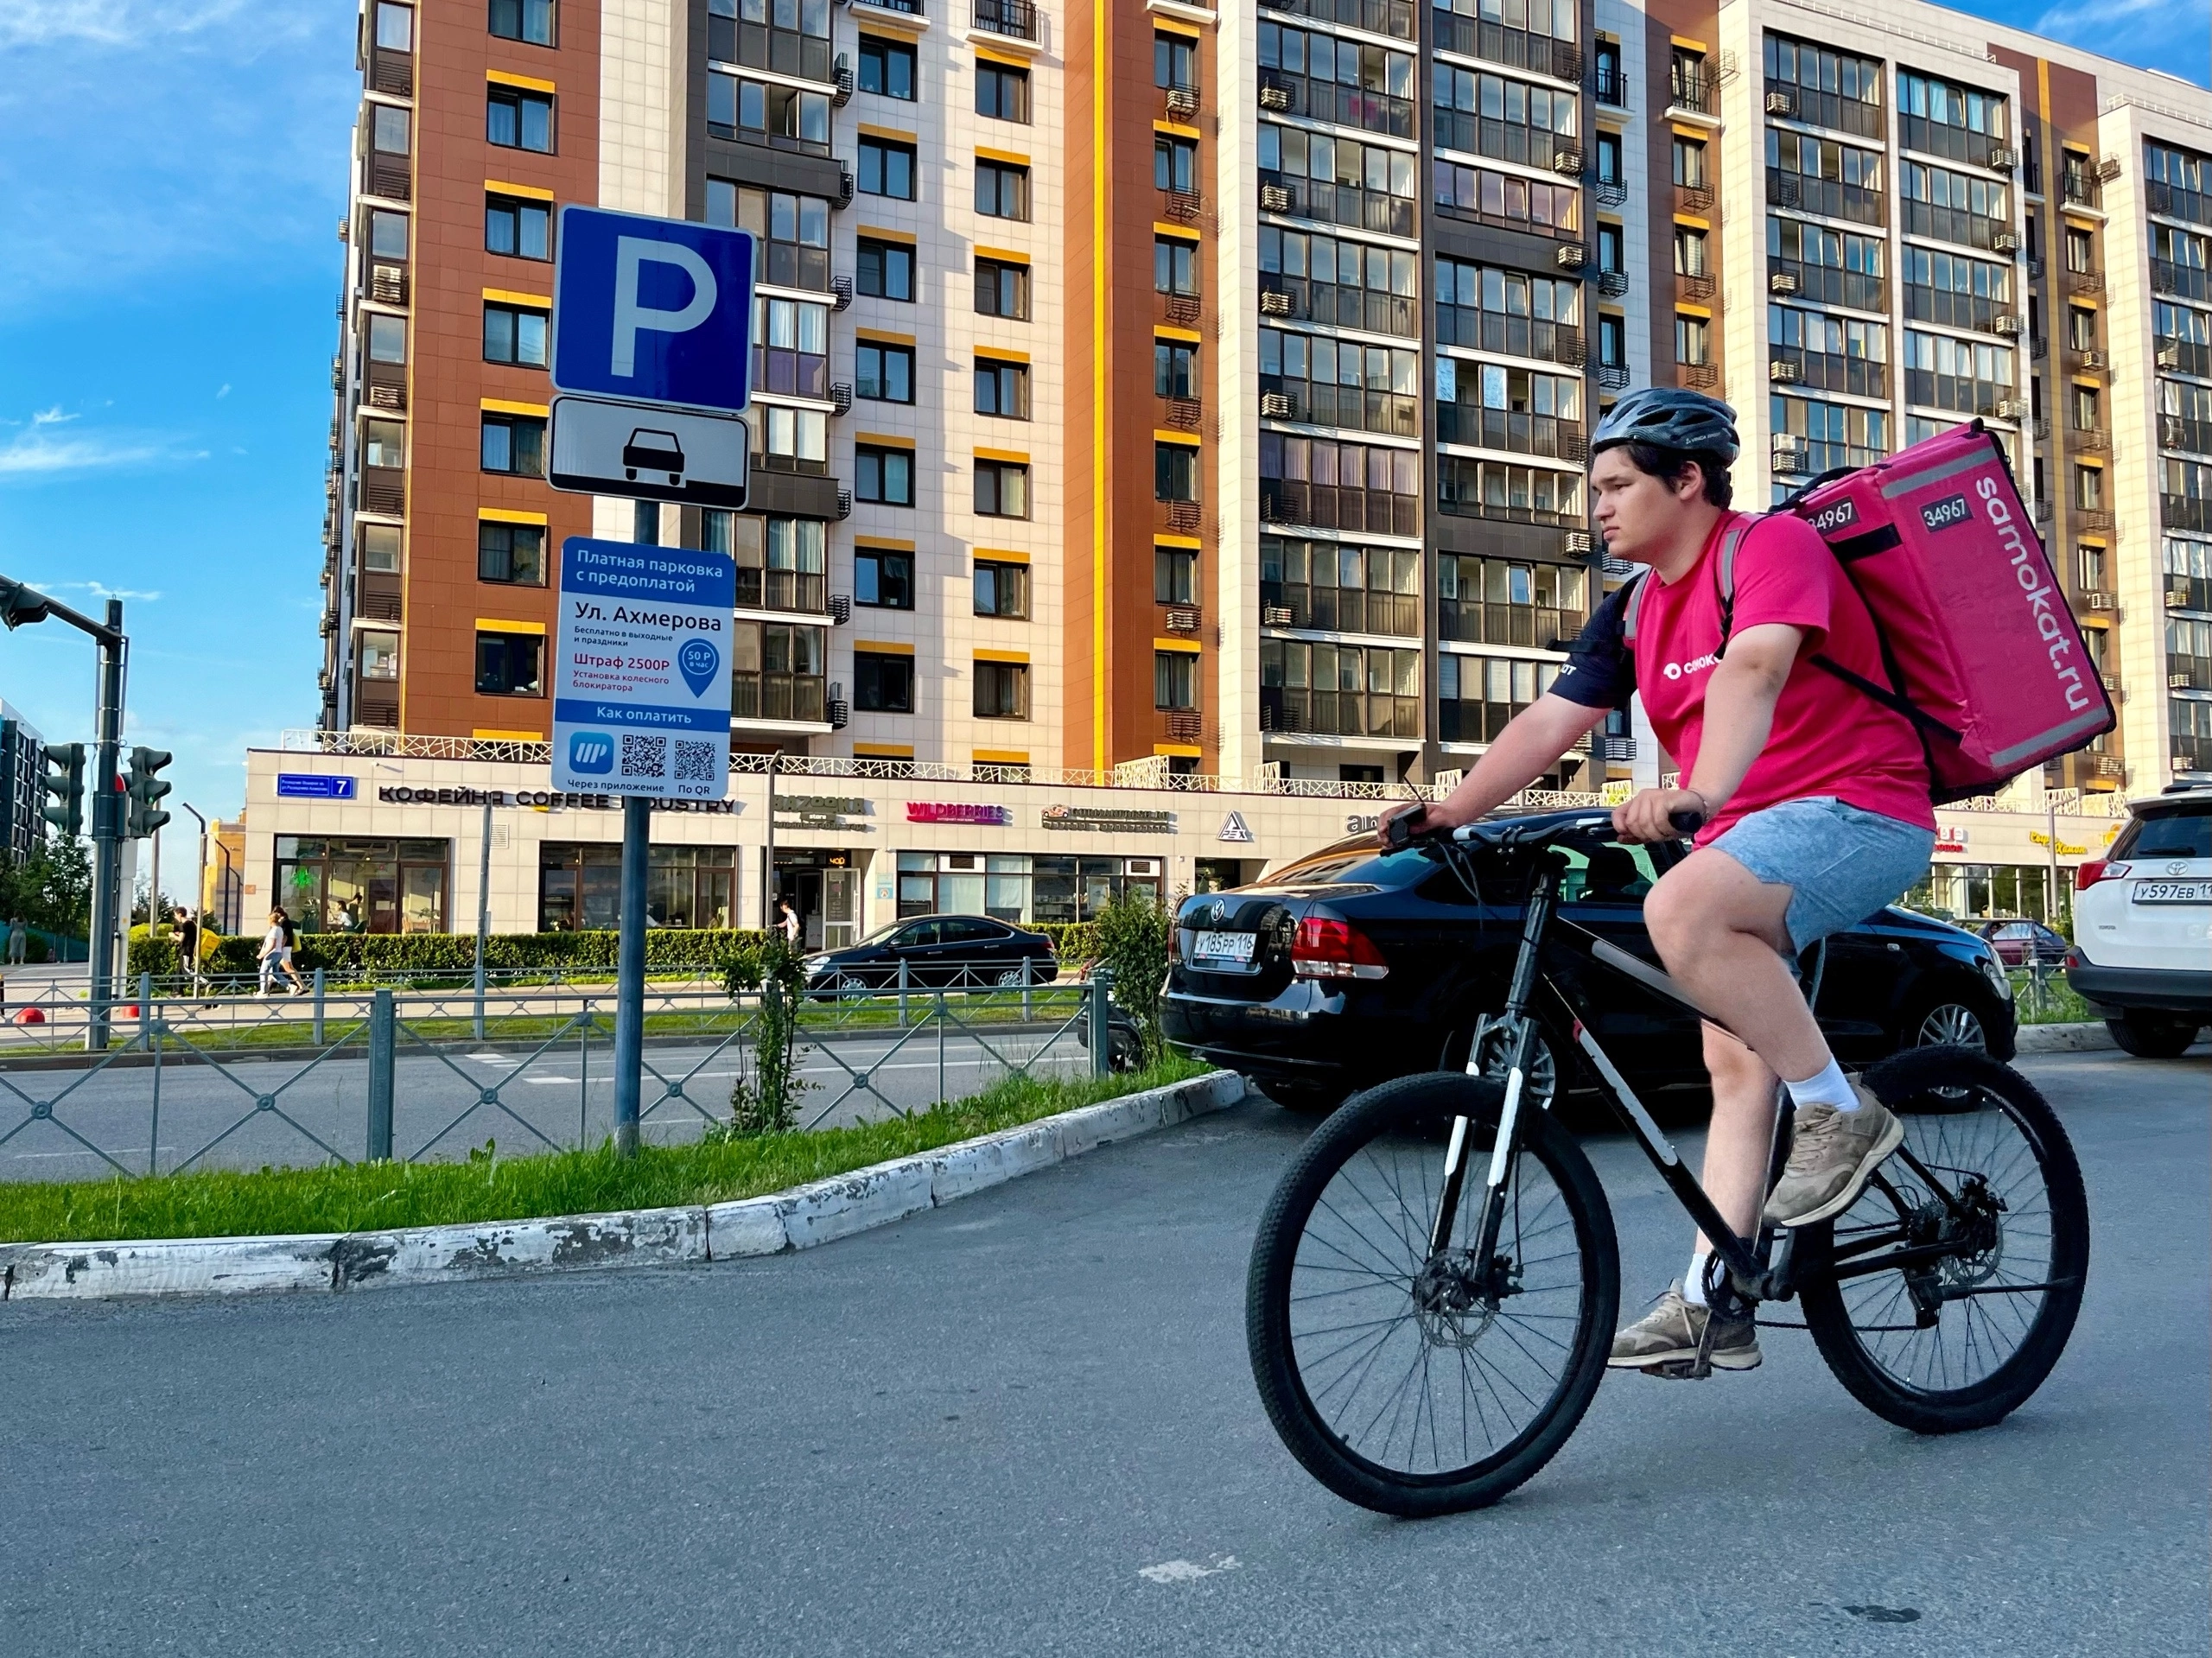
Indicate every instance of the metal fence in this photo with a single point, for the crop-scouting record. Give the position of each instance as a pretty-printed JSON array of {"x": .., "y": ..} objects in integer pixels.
[{"x": 412, "y": 1075}]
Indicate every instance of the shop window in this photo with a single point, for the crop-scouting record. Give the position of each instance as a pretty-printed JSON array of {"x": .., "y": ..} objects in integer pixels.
[
  {"x": 331, "y": 884},
  {"x": 580, "y": 886}
]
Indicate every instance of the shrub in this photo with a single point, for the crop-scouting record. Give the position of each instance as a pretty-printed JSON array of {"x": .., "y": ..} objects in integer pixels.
[
  {"x": 1133, "y": 934},
  {"x": 343, "y": 955}
]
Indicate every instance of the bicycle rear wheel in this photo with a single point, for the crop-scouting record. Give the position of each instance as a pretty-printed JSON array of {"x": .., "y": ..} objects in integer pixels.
[
  {"x": 1418, "y": 1384},
  {"x": 1944, "y": 1295}
]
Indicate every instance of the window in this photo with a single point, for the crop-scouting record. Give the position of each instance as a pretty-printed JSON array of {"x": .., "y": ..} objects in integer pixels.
[
  {"x": 1612, "y": 340},
  {"x": 2087, "y": 409},
  {"x": 389, "y": 129},
  {"x": 379, "y": 886},
  {"x": 886, "y": 270},
  {"x": 887, "y": 168},
  {"x": 777, "y": 672},
  {"x": 395, "y": 28},
  {"x": 789, "y": 37},
  {"x": 791, "y": 440},
  {"x": 519, "y": 120},
  {"x": 1609, "y": 159},
  {"x": 783, "y": 564},
  {"x": 529, "y": 21},
  {"x": 1174, "y": 369},
  {"x": 1174, "y": 679},
  {"x": 1174, "y": 165},
  {"x": 887, "y": 67},
  {"x": 1609, "y": 245},
  {"x": 1174, "y": 575},
  {"x": 387, "y": 338},
  {"x": 513, "y": 553},
  {"x": 509, "y": 664},
  {"x": 2080, "y": 250},
  {"x": 1002, "y": 190},
  {"x": 1001, "y": 388},
  {"x": 1693, "y": 339},
  {"x": 1611, "y": 89},
  {"x": 387, "y": 235},
  {"x": 793, "y": 230},
  {"x": 512, "y": 334},
  {"x": 1174, "y": 266},
  {"x": 884, "y": 475},
  {"x": 793, "y": 338},
  {"x": 1174, "y": 61},
  {"x": 766, "y": 112},
  {"x": 1002, "y": 590},
  {"x": 518, "y": 228},
  {"x": 2089, "y": 488},
  {"x": 1686, "y": 82},
  {"x": 1001, "y": 289},
  {"x": 1689, "y": 251},
  {"x": 883, "y": 580},
  {"x": 1002, "y": 92},
  {"x": 380, "y": 549},
  {"x": 1174, "y": 472},
  {"x": 2089, "y": 565},
  {"x": 882, "y": 682},
  {"x": 1690, "y": 163},
  {"x": 1003, "y": 489},
  {"x": 514, "y": 444},
  {"x": 1001, "y": 690},
  {"x": 883, "y": 373},
  {"x": 1467, "y": 488},
  {"x": 379, "y": 655},
  {"x": 384, "y": 443},
  {"x": 2081, "y": 329},
  {"x": 1482, "y": 114}
]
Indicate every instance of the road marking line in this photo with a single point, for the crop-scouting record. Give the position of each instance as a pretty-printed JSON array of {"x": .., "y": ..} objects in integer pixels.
[{"x": 1187, "y": 1571}]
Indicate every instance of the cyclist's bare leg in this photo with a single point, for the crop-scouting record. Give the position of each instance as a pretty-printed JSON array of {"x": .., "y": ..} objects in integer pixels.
[{"x": 1737, "y": 1149}]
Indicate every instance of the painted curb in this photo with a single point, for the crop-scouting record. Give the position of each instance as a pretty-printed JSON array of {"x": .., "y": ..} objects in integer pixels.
[
  {"x": 797, "y": 1219},
  {"x": 2063, "y": 1039}
]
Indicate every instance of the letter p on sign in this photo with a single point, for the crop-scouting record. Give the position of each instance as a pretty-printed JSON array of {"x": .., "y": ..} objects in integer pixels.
[{"x": 653, "y": 310}]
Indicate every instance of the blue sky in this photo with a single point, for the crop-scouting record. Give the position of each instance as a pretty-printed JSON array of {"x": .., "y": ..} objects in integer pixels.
[{"x": 172, "y": 175}]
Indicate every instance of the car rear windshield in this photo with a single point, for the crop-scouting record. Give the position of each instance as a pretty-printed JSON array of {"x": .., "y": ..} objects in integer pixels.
[
  {"x": 2183, "y": 834},
  {"x": 1357, "y": 863}
]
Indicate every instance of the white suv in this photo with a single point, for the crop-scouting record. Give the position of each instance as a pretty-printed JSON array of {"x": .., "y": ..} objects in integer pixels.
[{"x": 2141, "y": 955}]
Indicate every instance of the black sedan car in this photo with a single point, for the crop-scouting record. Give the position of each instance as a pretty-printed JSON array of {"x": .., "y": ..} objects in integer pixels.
[
  {"x": 1429, "y": 966},
  {"x": 961, "y": 952}
]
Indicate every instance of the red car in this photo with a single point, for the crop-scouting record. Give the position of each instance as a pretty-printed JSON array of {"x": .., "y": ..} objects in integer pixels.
[{"x": 2022, "y": 944}]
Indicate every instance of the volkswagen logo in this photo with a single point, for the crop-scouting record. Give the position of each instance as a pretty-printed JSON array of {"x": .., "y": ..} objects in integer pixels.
[{"x": 1216, "y": 913}]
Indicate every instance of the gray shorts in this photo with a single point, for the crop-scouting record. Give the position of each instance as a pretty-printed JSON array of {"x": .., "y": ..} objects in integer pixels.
[{"x": 1841, "y": 863}]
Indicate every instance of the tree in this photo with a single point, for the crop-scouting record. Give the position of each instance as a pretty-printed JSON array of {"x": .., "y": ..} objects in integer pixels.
[
  {"x": 1133, "y": 938},
  {"x": 52, "y": 889}
]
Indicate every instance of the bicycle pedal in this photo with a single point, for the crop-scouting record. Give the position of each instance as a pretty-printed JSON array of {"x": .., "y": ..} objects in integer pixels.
[{"x": 1695, "y": 1369}]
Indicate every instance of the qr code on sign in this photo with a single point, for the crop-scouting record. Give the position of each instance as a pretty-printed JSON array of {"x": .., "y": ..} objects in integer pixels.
[
  {"x": 695, "y": 762},
  {"x": 644, "y": 757}
]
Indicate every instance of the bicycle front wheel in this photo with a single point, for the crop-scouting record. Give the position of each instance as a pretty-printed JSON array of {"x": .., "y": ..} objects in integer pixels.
[
  {"x": 1943, "y": 1296},
  {"x": 1417, "y": 1382}
]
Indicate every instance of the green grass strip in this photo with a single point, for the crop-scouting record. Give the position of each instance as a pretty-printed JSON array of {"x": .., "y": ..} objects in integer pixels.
[{"x": 219, "y": 1203}]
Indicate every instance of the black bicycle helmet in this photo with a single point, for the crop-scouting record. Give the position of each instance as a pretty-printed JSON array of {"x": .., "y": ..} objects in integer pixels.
[{"x": 1668, "y": 417}]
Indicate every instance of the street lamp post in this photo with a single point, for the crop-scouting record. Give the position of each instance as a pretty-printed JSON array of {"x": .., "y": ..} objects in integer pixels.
[{"x": 199, "y": 896}]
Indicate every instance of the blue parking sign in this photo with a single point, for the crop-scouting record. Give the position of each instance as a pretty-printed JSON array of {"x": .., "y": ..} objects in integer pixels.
[{"x": 653, "y": 310}]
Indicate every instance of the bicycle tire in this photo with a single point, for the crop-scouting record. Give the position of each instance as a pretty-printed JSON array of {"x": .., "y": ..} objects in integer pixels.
[
  {"x": 1931, "y": 1089},
  {"x": 1421, "y": 1109}
]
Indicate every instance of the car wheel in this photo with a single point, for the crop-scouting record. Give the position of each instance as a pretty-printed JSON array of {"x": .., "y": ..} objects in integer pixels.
[
  {"x": 1492, "y": 1055},
  {"x": 853, "y": 984},
  {"x": 1010, "y": 976},
  {"x": 1951, "y": 1023},
  {"x": 2152, "y": 1035}
]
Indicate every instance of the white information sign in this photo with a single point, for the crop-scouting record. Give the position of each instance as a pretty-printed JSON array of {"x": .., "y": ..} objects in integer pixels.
[{"x": 641, "y": 670}]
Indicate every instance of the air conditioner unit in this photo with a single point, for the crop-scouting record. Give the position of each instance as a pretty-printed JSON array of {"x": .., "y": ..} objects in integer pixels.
[
  {"x": 2093, "y": 359},
  {"x": 1182, "y": 621},
  {"x": 2111, "y": 682},
  {"x": 2006, "y": 242},
  {"x": 2176, "y": 595},
  {"x": 1788, "y": 454},
  {"x": 1274, "y": 304},
  {"x": 1274, "y": 98},
  {"x": 1566, "y": 163},
  {"x": 1573, "y": 255},
  {"x": 2011, "y": 408},
  {"x": 1274, "y": 199},
  {"x": 1782, "y": 281},
  {"x": 1780, "y": 103},
  {"x": 2102, "y": 601},
  {"x": 2002, "y": 160},
  {"x": 2176, "y": 681},
  {"x": 2006, "y": 323},
  {"x": 1278, "y": 405},
  {"x": 1576, "y": 541},
  {"x": 1274, "y": 616},
  {"x": 2170, "y": 357},
  {"x": 2108, "y": 168},
  {"x": 1783, "y": 372}
]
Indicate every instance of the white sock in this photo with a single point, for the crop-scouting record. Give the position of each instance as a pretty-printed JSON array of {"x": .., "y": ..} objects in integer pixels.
[
  {"x": 1828, "y": 1087},
  {"x": 1694, "y": 1282}
]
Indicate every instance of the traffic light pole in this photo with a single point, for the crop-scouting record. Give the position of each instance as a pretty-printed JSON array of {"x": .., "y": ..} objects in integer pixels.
[{"x": 107, "y": 803}]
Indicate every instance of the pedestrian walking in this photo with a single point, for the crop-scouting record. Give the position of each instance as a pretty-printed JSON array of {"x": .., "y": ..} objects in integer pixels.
[
  {"x": 277, "y": 953},
  {"x": 19, "y": 938},
  {"x": 788, "y": 922},
  {"x": 187, "y": 941}
]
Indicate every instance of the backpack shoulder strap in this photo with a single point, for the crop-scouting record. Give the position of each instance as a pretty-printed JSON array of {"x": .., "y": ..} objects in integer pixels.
[
  {"x": 1723, "y": 575},
  {"x": 1629, "y": 606}
]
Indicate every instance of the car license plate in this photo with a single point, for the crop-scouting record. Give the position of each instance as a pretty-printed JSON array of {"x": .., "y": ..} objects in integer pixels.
[
  {"x": 2173, "y": 892},
  {"x": 1235, "y": 947}
]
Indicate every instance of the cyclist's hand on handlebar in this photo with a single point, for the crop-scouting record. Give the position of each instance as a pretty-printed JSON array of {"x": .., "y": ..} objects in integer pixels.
[
  {"x": 1660, "y": 815},
  {"x": 1419, "y": 815}
]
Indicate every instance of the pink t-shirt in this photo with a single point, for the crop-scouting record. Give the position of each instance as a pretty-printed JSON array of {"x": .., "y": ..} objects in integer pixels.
[{"x": 1828, "y": 738}]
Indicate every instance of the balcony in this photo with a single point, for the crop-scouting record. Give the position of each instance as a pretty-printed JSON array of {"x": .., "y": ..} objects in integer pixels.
[
  {"x": 1825, "y": 371},
  {"x": 1816, "y": 108},
  {"x": 798, "y": 592},
  {"x": 1830, "y": 197},
  {"x": 1341, "y": 610},
  {"x": 800, "y": 699},
  {"x": 1340, "y": 305},
  {"x": 1512, "y": 336},
  {"x": 2185, "y": 357},
  {"x": 2190, "y": 754},
  {"x": 2192, "y": 512},
  {"x": 1392, "y": 17},
  {"x": 1691, "y": 90},
  {"x": 383, "y": 489},
  {"x": 387, "y": 386},
  {"x": 2180, "y": 281},
  {"x": 1612, "y": 86},
  {"x": 1516, "y": 48},
  {"x": 1015, "y": 18},
  {"x": 1339, "y": 714},
  {"x": 2081, "y": 189},
  {"x": 1510, "y": 431},
  {"x": 1827, "y": 285},
  {"x": 1184, "y": 415},
  {"x": 1472, "y": 621},
  {"x": 1702, "y": 377},
  {"x": 1960, "y": 228},
  {"x": 392, "y": 73},
  {"x": 2193, "y": 206}
]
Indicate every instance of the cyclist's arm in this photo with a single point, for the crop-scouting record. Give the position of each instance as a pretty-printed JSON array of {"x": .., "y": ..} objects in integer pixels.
[
  {"x": 1530, "y": 745},
  {"x": 1739, "y": 702}
]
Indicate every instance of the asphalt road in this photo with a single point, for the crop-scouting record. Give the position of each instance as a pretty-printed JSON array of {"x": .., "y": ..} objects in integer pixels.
[
  {"x": 437, "y": 1102},
  {"x": 1024, "y": 1425}
]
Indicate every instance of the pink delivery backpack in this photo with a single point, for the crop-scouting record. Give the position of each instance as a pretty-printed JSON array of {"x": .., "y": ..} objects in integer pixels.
[{"x": 1982, "y": 654}]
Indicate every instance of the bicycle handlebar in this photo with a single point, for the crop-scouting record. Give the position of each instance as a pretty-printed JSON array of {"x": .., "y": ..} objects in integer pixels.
[{"x": 1404, "y": 829}]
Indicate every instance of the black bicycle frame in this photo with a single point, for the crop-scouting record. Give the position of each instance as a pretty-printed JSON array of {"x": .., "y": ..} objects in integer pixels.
[{"x": 1742, "y": 1256}]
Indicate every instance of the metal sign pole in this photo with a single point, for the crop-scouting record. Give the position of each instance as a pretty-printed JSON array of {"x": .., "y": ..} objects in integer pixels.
[
  {"x": 483, "y": 913},
  {"x": 107, "y": 803},
  {"x": 630, "y": 977}
]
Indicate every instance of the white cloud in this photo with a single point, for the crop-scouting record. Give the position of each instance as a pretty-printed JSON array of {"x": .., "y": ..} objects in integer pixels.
[
  {"x": 223, "y": 390},
  {"x": 2146, "y": 32},
  {"x": 53, "y": 416},
  {"x": 108, "y": 23},
  {"x": 97, "y": 589},
  {"x": 39, "y": 451}
]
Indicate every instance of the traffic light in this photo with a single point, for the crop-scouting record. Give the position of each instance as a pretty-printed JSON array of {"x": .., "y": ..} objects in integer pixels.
[
  {"x": 144, "y": 788},
  {"x": 64, "y": 781},
  {"x": 19, "y": 604}
]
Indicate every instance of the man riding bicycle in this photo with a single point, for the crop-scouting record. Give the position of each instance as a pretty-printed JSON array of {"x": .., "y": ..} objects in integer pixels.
[{"x": 1814, "y": 799}]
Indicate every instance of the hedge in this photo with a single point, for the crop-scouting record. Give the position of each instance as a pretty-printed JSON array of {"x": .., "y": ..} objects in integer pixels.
[{"x": 357, "y": 953}]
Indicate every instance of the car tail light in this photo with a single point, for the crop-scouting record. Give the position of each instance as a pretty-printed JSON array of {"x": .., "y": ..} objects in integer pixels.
[
  {"x": 2087, "y": 875},
  {"x": 1328, "y": 949}
]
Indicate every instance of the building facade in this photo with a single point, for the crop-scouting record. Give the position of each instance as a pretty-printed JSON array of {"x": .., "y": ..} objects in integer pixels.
[
  {"x": 23, "y": 785},
  {"x": 1154, "y": 389}
]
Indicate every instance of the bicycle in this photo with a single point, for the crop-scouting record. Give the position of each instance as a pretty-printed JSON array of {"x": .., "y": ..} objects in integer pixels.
[{"x": 1403, "y": 1299}]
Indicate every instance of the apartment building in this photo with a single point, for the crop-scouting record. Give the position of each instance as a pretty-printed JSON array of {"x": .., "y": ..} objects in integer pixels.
[{"x": 1164, "y": 388}]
